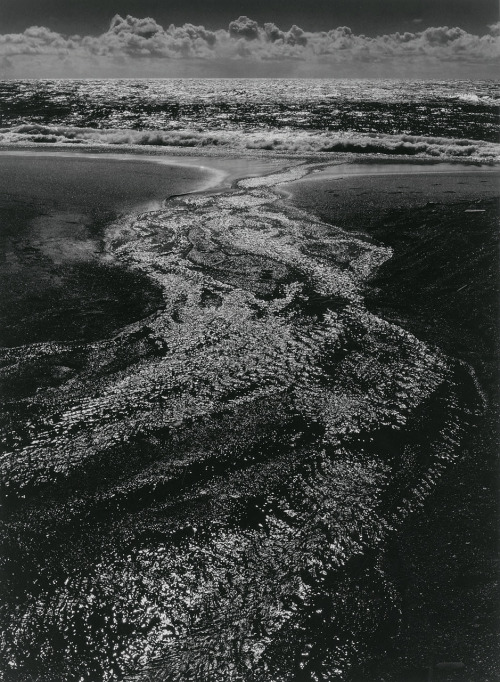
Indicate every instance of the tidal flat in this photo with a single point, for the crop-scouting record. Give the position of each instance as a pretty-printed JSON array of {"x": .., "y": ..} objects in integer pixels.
[{"x": 224, "y": 482}]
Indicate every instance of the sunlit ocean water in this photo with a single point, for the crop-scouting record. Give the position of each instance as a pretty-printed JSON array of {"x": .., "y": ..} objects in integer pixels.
[{"x": 294, "y": 115}]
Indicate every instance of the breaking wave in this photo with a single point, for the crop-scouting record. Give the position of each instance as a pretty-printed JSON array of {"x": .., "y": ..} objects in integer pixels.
[{"x": 304, "y": 142}]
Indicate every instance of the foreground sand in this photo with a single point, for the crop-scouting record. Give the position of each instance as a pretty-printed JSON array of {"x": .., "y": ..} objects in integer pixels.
[
  {"x": 228, "y": 477},
  {"x": 441, "y": 283}
]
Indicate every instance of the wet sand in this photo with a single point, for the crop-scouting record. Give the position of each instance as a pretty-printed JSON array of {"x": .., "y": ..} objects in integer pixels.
[
  {"x": 442, "y": 283},
  {"x": 57, "y": 282},
  {"x": 243, "y": 447},
  {"x": 356, "y": 196}
]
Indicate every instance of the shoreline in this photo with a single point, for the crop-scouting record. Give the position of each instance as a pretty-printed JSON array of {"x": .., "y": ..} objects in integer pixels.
[
  {"x": 228, "y": 153},
  {"x": 227, "y": 163},
  {"x": 224, "y": 177}
]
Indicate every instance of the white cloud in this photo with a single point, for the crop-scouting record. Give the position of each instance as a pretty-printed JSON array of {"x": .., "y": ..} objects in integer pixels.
[
  {"x": 131, "y": 41},
  {"x": 495, "y": 29},
  {"x": 244, "y": 28}
]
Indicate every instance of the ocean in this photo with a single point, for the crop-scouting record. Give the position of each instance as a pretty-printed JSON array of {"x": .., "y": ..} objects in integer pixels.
[
  {"x": 439, "y": 118},
  {"x": 242, "y": 453}
]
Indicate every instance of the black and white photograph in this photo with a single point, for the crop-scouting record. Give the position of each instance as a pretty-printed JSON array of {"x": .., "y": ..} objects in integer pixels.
[{"x": 249, "y": 340}]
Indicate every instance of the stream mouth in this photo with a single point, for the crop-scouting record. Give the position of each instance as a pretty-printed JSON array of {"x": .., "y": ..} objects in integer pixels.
[{"x": 212, "y": 490}]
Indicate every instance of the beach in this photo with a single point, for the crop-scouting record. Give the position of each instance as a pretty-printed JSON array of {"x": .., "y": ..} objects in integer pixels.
[
  {"x": 254, "y": 445},
  {"x": 442, "y": 283},
  {"x": 441, "y": 224},
  {"x": 56, "y": 281}
]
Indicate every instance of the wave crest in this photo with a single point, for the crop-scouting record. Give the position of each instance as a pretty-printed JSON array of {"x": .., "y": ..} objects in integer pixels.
[{"x": 303, "y": 142}]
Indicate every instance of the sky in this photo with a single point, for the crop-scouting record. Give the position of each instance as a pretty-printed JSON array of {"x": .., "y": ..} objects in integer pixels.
[{"x": 254, "y": 38}]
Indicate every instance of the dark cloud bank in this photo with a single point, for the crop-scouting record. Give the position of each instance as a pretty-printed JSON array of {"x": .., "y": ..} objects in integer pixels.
[{"x": 142, "y": 47}]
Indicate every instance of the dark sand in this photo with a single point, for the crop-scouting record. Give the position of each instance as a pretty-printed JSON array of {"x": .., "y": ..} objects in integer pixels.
[
  {"x": 442, "y": 283},
  {"x": 56, "y": 282},
  {"x": 357, "y": 197}
]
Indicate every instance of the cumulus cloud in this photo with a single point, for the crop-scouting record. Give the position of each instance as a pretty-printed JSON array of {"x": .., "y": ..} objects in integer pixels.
[
  {"x": 495, "y": 29},
  {"x": 145, "y": 38},
  {"x": 146, "y": 28},
  {"x": 130, "y": 40},
  {"x": 244, "y": 28}
]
